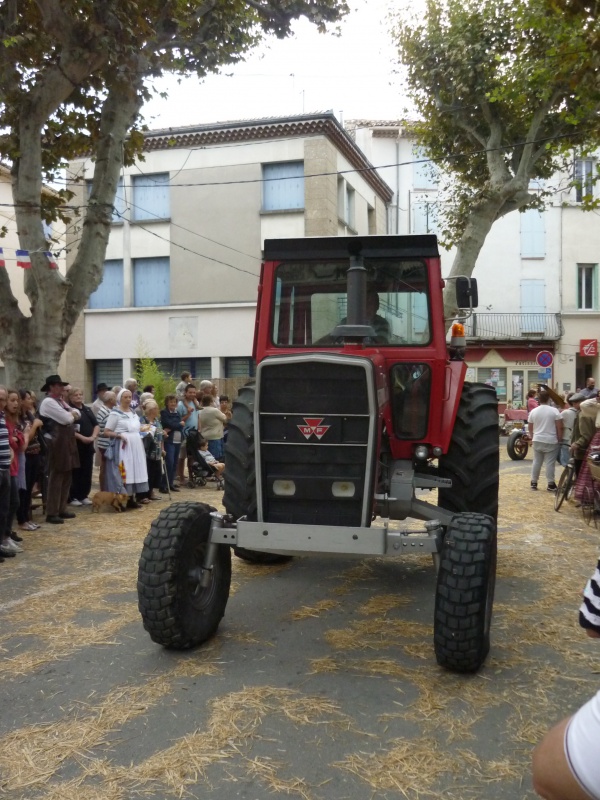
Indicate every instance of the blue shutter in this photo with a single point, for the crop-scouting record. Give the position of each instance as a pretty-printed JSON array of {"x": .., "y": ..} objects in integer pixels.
[
  {"x": 533, "y": 234},
  {"x": 151, "y": 282},
  {"x": 533, "y": 306},
  {"x": 283, "y": 186},
  {"x": 110, "y": 292},
  {"x": 151, "y": 197}
]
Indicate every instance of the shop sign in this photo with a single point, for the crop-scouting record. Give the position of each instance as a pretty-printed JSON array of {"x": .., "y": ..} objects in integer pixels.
[{"x": 588, "y": 347}]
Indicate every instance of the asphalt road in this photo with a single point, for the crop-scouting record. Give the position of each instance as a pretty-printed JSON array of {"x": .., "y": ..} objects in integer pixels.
[{"x": 321, "y": 682}]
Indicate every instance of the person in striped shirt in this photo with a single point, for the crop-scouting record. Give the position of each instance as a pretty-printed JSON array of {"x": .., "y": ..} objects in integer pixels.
[{"x": 566, "y": 764}]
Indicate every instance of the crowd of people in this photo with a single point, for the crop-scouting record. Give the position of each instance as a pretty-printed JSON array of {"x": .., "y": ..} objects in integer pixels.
[
  {"x": 560, "y": 435},
  {"x": 48, "y": 451}
]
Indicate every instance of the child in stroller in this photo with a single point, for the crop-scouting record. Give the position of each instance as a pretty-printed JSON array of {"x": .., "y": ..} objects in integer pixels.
[{"x": 203, "y": 464}]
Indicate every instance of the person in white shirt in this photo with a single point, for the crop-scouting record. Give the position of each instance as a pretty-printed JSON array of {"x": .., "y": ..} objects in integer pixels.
[{"x": 546, "y": 430}]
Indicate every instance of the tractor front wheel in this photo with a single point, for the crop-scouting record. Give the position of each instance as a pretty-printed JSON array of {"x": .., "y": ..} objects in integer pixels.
[
  {"x": 179, "y": 607},
  {"x": 239, "y": 497},
  {"x": 465, "y": 593},
  {"x": 517, "y": 445}
]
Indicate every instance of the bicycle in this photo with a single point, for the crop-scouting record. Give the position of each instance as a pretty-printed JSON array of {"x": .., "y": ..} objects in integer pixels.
[{"x": 566, "y": 484}]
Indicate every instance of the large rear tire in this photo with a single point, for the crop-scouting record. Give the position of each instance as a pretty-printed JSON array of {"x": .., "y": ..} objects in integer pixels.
[
  {"x": 473, "y": 458},
  {"x": 176, "y": 610},
  {"x": 465, "y": 593},
  {"x": 239, "y": 497},
  {"x": 517, "y": 446}
]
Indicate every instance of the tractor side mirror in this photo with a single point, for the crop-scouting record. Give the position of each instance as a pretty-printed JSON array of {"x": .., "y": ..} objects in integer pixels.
[{"x": 466, "y": 292}]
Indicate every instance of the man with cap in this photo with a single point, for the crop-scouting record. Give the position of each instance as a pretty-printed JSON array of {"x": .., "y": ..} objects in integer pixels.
[
  {"x": 59, "y": 434},
  {"x": 98, "y": 403}
]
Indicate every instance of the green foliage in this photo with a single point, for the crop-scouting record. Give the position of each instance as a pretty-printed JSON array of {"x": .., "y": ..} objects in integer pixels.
[
  {"x": 148, "y": 373},
  {"x": 100, "y": 45},
  {"x": 506, "y": 91}
]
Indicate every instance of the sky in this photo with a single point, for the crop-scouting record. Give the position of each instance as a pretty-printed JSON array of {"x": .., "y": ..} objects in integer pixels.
[{"x": 352, "y": 75}]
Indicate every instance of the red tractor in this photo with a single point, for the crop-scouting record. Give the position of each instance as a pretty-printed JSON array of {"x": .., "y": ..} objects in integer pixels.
[{"x": 359, "y": 406}]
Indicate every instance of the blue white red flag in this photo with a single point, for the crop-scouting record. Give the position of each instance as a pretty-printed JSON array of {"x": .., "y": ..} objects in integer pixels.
[
  {"x": 2, "y": 261},
  {"x": 23, "y": 259},
  {"x": 52, "y": 260}
]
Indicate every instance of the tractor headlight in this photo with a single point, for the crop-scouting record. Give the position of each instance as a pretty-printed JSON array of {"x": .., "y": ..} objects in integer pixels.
[
  {"x": 343, "y": 489},
  {"x": 422, "y": 452},
  {"x": 437, "y": 451},
  {"x": 283, "y": 488}
]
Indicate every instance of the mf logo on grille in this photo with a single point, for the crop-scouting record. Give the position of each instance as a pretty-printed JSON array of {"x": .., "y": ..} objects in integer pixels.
[{"x": 313, "y": 426}]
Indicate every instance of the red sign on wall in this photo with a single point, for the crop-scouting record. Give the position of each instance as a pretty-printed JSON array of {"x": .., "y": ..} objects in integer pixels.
[{"x": 588, "y": 347}]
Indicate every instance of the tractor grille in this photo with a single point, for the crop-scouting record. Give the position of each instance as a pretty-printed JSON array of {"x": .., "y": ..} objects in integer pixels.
[{"x": 315, "y": 440}]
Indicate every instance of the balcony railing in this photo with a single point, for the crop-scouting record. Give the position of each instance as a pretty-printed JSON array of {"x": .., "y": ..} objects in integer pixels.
[{"x": 512, "y": 327}]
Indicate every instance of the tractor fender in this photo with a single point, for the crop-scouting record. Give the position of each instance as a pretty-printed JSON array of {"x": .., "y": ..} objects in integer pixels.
[{"x": 454, "y": 381}]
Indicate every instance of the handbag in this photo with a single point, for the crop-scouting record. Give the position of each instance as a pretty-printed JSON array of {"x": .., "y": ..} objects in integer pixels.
[{"x": 111, "y": 451}]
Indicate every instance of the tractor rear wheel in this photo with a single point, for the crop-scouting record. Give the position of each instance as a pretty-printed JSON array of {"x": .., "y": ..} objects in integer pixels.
[
  {"x": 239, "y": 497},
  {"x": 177, "y": 611},
  {"x": 517, "y": 446},
  {"x": 465, "y": 593},
  {"x": 473, "y": 458}
]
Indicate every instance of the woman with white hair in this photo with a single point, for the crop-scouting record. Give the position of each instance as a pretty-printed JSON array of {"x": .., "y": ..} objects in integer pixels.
[
  {"x": 153, "y": 445},
  {"x": 126, "y": 458},
  {"x": 131, "y": 384},
  {"x": 208, "y": 387}
]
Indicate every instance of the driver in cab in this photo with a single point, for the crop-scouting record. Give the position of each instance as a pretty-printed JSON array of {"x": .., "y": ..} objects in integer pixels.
[{"x": 380, "y": 325}]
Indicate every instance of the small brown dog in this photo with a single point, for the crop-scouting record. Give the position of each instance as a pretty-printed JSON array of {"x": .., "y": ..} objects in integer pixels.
[{"x": 117, "y": 501}]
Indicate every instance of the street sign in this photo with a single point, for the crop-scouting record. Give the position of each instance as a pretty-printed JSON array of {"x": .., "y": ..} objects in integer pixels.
[{"x": 544, "y": 358}]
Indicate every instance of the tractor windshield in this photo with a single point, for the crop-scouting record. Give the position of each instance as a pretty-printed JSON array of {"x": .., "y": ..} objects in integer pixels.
[{"x": 310, "y": 301}]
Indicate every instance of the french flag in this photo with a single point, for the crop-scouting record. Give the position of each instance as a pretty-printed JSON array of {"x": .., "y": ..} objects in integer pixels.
[
  {"x": 2, "y": 261},
  {"x": 23, "y": 259},
  {"x": 51, "y": 260}
]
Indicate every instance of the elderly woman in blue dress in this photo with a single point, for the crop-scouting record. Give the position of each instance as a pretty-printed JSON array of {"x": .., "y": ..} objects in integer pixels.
[{"x": 126, "y": 457}]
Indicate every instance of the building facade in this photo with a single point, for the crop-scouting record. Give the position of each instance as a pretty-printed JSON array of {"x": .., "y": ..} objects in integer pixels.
[
  {"x": 183, "y": 259},
  {"x": 539, "y": 314}
]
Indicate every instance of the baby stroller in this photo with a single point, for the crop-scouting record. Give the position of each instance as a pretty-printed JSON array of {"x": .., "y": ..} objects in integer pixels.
[{"x": 199, "y": 470}]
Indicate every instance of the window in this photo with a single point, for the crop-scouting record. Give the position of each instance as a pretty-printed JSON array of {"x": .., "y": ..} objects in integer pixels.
[
  {"x": 151, "y": 282},
  {"x": 108, "y": 371},
  {"x": 586, "y": 288},
  {"x": 533, "y": 234},
  {"x": 110, "y": 292},
  {"x": 584, "y": 178},
  {"x": 494, "y": 377},
  {"x": 311, "y": 301},
  {"x": 283, "y": 186},
  {"x": 423, "y": 214},
  {"x": 425, "y": 172},
  {"x": 200, "y": 368},
  {"x": 240, "y": 367},
  {"x": 119, "y": 206},
  {"x": 533, "y": 306},
  {"x": 151, "y": 196},
  {"x": 346, "y": 201}
]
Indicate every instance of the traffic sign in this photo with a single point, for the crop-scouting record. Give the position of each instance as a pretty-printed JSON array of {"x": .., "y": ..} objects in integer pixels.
[{"x": 544, "y": 358}]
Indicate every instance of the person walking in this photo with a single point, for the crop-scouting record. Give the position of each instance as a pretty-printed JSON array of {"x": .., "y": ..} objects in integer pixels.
[{"x": 546, "y": 431}]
